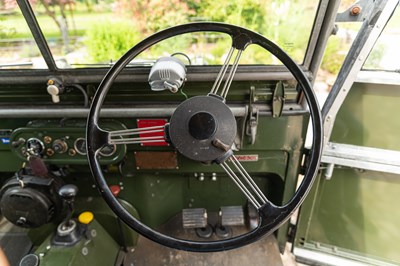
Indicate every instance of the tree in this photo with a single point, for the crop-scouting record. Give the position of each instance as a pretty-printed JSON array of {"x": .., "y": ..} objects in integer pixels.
[
  {"x": 153, "y": 15},
  {"x": 51, "y": 8}
]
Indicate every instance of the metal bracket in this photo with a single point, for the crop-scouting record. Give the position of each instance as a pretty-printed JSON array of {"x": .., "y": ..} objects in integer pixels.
[
  {"x": 278, "y": 99},
  {"x": 252, "y": 121},
  {"x": 357, "y": 12},
  {"x": 359, "y": 157},
  {"x": 252, "y": 124}
]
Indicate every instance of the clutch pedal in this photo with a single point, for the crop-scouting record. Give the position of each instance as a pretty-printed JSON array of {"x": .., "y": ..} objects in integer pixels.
[{"x": 194, "y": 218}]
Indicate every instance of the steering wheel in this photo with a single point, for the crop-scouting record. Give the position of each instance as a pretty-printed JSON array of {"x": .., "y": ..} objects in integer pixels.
[{"x": 203, "y": 129}]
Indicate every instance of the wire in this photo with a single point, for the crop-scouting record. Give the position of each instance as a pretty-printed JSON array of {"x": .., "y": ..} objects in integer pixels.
[
  {"x": 85, "y": 96},
  {"x": 184, "y": 94},
  {"x": 183, "y": 54}
]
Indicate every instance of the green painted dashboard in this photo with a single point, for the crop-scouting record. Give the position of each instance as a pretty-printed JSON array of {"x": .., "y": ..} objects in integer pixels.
[{"x": 155, "y": 188}]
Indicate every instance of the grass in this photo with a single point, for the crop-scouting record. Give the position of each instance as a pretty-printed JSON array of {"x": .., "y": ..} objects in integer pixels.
[{"x": 82, "y": 22}]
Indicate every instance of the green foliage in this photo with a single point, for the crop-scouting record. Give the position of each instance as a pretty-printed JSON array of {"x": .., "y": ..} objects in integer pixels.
[
  {"x": 333, "y": 58},
  {"x": 5, "y": 32},
  {"x": 153, "y": 15},
  {"x": 286, "y": 22},
  {"x": 108, "y": 40},
  {"x": 248, "y": 13},
  {"x": 374, "y": 58},
  {"x": 280, "y": 21}
]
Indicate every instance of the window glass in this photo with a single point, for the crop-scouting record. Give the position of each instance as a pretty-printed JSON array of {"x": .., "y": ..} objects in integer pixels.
[
  {"x": 385, "y": 54},
  {"x": 94, "y": 33},
  {"x": 17, "y": 46}
]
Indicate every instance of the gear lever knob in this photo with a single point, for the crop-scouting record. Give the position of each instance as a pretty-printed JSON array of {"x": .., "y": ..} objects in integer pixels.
[{"x": 67, "y": 194}]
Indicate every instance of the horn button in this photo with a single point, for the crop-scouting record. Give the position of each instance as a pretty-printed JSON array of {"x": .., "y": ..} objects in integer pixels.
[{"x": 199, "y": 122}]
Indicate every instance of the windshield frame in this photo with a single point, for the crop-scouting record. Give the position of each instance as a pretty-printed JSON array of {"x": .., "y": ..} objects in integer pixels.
[{"x": 310, "y": 63}]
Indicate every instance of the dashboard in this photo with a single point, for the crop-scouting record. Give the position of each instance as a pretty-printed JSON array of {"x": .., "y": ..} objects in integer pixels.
[{"x": 62, "y": 142}]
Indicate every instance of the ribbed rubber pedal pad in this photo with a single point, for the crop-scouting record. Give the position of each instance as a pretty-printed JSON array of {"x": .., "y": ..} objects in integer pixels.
[
  {"x": 194, "y": 218},
  {"x": 231, "y": 216}
]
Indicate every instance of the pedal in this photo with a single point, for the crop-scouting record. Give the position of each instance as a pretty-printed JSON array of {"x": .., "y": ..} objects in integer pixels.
[
  {"x": 194, "y": 218},
  {"x": 231, "y": 216}
]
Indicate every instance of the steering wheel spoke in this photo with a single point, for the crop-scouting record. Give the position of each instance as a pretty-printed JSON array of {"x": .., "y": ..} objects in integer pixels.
[
  {"x": 137, "y": 135},
  {"x": 99, "y": 137},
  {"x": 223, "y": 72}
]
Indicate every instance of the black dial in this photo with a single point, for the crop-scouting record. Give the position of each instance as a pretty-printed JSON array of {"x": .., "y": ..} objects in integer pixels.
[
  {"x": 107, "y": 150},
  {"x": 80, "y": 146},
  {"x": 34, "y": 147}
]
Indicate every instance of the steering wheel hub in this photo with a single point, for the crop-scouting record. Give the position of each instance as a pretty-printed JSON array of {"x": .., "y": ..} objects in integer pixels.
[
  {"x": 202, "y": 125},
  {"x": 197, "y": 123}
]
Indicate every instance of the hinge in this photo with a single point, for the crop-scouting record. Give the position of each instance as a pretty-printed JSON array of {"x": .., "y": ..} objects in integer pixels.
[
  {"x": 306, "y": 161},
  {"x": 278, "y": 99}
]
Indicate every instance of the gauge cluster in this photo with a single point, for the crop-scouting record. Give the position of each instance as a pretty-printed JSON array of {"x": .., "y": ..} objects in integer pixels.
[{"x": 62, "y": 145}]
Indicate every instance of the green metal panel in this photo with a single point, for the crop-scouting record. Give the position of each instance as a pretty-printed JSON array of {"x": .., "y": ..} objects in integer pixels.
[
  {"x": 98, "y": 249},
  {"x": 369, "y": 117},
  {"x": 354, "y": 215}
]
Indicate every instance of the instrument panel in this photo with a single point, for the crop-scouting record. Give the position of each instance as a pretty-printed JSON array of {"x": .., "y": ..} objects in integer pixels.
[{"x": 62, "y": 144}]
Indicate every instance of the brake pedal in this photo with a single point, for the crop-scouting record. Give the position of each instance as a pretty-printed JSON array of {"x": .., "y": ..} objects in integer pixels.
[{"x": 194, "y": 218}]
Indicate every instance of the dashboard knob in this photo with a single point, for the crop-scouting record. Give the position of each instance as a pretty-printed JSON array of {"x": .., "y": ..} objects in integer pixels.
[
  {"x": 54, "y": 91},
  {"x": 60, "y": 146},
  {"x": 68, "y": 192},
  {"x": 115, "y": 190},
  {"x": 86, "y": 217},
  {"x": 55, "y": 88}
]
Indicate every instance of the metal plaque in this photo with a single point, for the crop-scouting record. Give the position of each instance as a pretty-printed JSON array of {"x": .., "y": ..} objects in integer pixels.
[{"x": 156, "y": 160}]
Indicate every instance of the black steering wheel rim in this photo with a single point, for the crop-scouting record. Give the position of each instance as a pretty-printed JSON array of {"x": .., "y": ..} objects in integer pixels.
[{"x": 271, "y": 216}]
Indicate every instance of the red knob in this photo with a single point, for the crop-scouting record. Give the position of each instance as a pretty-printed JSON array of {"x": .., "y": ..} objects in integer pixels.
[{"x": 115, "y": 190}]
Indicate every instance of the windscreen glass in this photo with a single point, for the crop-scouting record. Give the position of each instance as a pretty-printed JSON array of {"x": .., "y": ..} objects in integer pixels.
[{"x": 91, "y": 33}]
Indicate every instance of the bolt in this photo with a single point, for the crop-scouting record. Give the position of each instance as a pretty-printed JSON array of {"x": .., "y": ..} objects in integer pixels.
[
  {"x": 71, "y": 152},
  {"x": 85, "y": 251},
  {"x": 355, "y": 10},
  {"x": 201, "y": 177},
  {"x": 49, "y": 152},
  {"x": 47, "y": 139},
  {"x": 214, "y": 177}
]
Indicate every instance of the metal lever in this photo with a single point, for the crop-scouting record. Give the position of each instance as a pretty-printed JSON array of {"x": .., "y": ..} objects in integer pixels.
[
  {"x": 67, "y": 194},
  {"x": 55, "y": 88}
]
